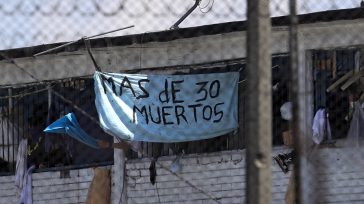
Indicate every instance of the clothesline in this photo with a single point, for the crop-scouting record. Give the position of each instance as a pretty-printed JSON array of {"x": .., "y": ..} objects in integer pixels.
[
  {"x": 84, "y": 38},
  {"x": 23, "y": 94}
]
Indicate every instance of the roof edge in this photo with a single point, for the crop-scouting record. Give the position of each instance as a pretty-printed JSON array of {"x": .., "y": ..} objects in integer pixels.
[{"x": 189, "y": 32}]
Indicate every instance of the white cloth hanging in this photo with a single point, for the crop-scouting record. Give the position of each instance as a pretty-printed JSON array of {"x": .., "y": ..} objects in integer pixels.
[
  {"x": 21, "y": 164},
  {"x": 356, "y": 131},
  {"x": 286, "y": 111},
  {"x": 26, "y": 196},
  {"x": 318, "y": 127}
]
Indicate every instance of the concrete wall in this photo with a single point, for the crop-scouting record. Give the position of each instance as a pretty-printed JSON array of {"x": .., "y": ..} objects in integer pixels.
[
  {"x": 7, "y": 190},
  {"x": 220, "y": 175},
  {"x": 50, "y": 187},
  {"x": 195, "y": 50},
  {"x": 338, "y": 177}
]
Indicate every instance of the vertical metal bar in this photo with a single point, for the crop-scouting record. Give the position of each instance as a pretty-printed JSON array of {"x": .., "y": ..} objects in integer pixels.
[
  {"x": 19, "y": 127},
  {"x": 47, "y": 141},
  {"x": 333, "y": 65},
  {"x": 3, "y": 116},
  {"x": 301, "y": 102},
  {"x": 259, "y": 104},
  {"x": 241, "y": 137},
  {"x": 49, "y": 92},
  {"x": 10, "y": 129},
  {"x": 13, "y": 139},
  {"x": 294, "y": 94}
]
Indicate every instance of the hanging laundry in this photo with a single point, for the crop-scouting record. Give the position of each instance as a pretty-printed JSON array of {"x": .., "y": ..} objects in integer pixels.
[
  {"x": 26, "y": 196},
  {"x": 321, "y": 127},
  {"x": 69, "y": 125},
  {"x": 21, "y": 164},
  {"x": 153, "y": 171},
  {"x": 9, "y": 131},
  {"x": 99, "y": 191},
  {"x": 356, "y": 131},
  {"x": 286, "y": 111}
]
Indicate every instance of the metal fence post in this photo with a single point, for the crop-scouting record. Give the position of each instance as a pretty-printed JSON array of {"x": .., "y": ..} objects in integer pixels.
[
  {"x": 259, "y": 104},
  {"x": 295, "y": 97},
  {"x": 301, "y": 92}
]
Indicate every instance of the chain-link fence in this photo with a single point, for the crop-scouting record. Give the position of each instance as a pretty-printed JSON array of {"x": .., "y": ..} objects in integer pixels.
[{"x": 200, "y": 101}]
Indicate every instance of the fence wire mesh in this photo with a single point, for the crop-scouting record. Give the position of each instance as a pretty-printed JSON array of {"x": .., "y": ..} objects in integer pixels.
[{"x": 296, "y": 106}]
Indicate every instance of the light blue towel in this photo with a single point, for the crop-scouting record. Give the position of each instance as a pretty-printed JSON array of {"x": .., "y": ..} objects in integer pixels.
[{"x": 69, "y": 125}]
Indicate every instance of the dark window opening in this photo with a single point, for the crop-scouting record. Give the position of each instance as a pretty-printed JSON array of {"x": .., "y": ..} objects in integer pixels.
[
  {"x": 328, "y": 67},
  {"x": 28, "y": 113}
]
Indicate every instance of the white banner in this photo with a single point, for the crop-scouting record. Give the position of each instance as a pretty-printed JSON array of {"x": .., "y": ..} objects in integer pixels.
[{"x": 167, "y": 108}]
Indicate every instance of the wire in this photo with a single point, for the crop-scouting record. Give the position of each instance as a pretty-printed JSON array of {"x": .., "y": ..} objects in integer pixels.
[
  {"x": 53, "y": 91},
  {"x": 23, "y": 94},
  {"x": 156, "y": 187},
  {"x": 199, "y": 5},
  {"x": 122, "y": 187},
  {"x": 76, "y": 107},
  {"x": 209, "y": 9},
  {"x": 183, "y": 179},
  {"x": 82, "y": 39},
  {"x": 19, "y": 67}
]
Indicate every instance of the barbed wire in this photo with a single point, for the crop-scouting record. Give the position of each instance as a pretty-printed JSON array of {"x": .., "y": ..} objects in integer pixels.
[
  {"x": 77, "y": 16},
  {"x": 209, "y": 6},
  {"x": 94, "y": 7}
]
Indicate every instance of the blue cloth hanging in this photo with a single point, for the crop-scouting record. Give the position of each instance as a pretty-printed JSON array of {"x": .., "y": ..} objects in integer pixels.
[{"x": 69, "y": 125}]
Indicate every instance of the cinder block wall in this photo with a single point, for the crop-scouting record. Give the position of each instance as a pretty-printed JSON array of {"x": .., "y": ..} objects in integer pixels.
[
  {"x": 7, "y": 190},
  {"x": 218, "y": 175},
  {"x": 53, "y": 187},
  {"x": 335, "y": 175}
]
